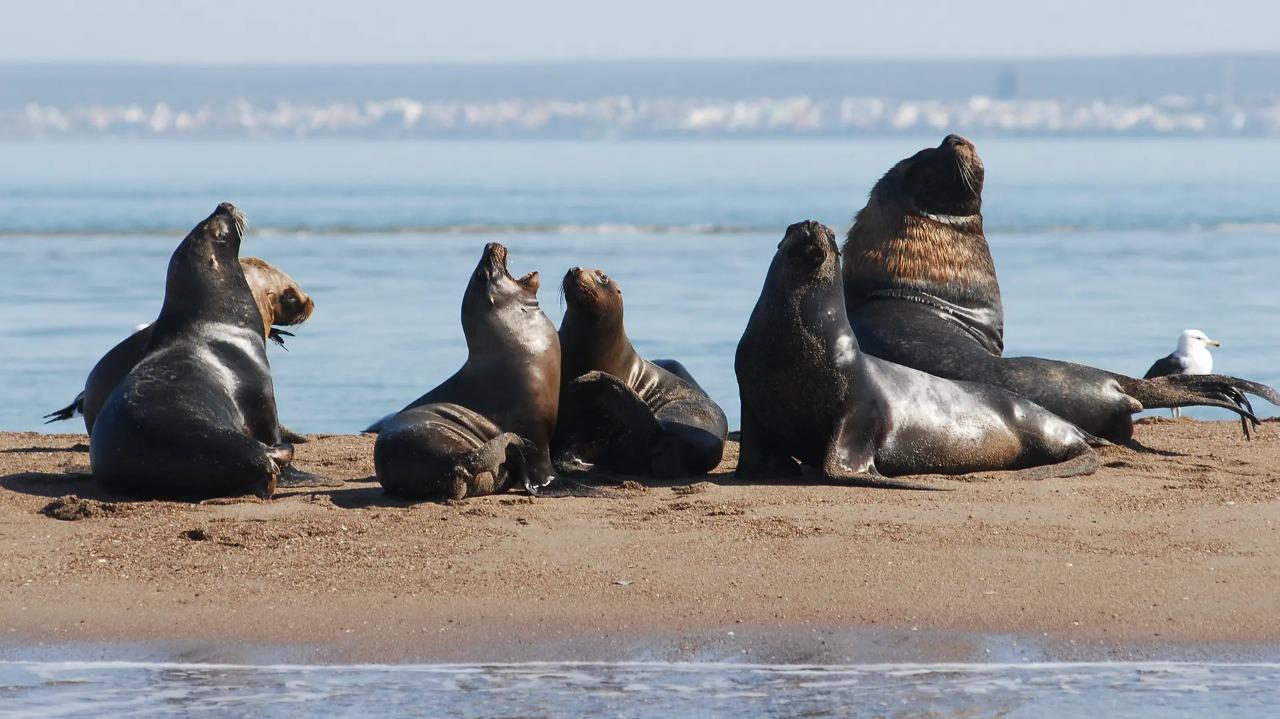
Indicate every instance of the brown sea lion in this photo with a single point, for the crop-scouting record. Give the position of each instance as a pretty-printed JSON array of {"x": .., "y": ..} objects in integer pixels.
[
  {"x": 196, "y": 416},
  {"x": 809, "y": 394},
  {"x": 619, "y": 411},
  {"x": 921, "y": 291},
  {"x": 280, "y": 301},
  {"x": 488, "y": 427}
]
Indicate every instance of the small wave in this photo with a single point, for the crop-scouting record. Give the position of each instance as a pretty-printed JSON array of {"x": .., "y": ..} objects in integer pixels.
[
  {"x": 640, "y": 689},
  {"x": 611, "y": 228},
  {"x": 459, "y": 229}
]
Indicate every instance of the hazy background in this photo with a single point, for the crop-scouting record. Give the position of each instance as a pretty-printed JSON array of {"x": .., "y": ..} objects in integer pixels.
[{"x": 404, "y": 31}]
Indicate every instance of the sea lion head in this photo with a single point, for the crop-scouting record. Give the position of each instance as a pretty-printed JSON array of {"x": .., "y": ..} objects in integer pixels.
[
  {"x": 591, "y": 295},
  {"x": 937, "y": 182},
  {"x": 807, "y": 255},
  {"x": 280, "y": 300},
  {"x": 496, "y": 302},
  {"x": 205, "y": 277}
]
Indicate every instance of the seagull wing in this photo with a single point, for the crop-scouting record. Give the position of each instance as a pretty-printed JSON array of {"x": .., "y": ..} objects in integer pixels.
[{"x": 1165, "y": 366}]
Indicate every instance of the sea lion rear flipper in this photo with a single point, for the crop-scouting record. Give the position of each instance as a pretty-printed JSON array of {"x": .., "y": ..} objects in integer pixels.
[
  {"x": 291, "y": 437},
  {"x": 1199, "y": 391},
  {"x": 71, "y": 410}
]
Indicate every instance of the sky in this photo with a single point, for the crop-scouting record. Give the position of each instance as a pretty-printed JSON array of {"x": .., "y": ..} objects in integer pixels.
[{"x": 408, "y": 31}]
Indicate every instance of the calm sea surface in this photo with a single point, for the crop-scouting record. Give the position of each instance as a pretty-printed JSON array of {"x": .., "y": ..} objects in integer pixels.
[{"x": 1106, "y": 249}]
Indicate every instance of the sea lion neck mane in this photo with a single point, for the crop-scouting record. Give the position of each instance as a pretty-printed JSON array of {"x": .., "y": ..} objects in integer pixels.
[{"x": 920, "y": 238}]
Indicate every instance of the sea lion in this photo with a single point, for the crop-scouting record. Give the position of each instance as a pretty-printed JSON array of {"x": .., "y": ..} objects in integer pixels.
[
  {"x": 618, "y": 411},
  {"x": 488, "y": 427},
  {"x": 280, "y": 300},
  {"x": 921, "y": 291},
  {"x": 809, "y": 394},
  {"x": 196, "y": 417}
]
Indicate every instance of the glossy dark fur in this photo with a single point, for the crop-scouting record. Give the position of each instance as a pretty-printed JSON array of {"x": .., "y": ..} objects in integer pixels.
[
  {"x": 280, "y": 301},
  {"x": 921, "y": 291},
  {"x": 488, "y": 427},
  {"x": 619, "y": 411},
  {"x": 196, "y": 417},
  {"x": 809, "y": 394}
]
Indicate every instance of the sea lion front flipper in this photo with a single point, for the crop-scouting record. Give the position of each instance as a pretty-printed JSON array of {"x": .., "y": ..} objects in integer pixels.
[
  {"x": 493, "y": 467},
  {"x": 291, "y": 476},
  {"x": 850, "y": 457},
  {"x": 758, "y": 453},
  {"x": 603, "y": 422},
  {"x": 677, "y": 369},
  {"x": 277, "y": 335}
]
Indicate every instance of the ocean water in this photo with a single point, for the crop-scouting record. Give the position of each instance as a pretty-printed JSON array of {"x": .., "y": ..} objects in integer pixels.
[
  {"x": 1152, "y": 690},
  {"x": 1106, "y": 249}
]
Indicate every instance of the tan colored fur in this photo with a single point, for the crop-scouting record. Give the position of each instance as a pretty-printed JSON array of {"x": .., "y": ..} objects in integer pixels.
[{"x": 887, "y": 247}]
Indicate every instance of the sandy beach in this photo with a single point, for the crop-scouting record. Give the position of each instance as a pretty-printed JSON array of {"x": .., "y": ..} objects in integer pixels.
[{"x": 1178, "y": 545}]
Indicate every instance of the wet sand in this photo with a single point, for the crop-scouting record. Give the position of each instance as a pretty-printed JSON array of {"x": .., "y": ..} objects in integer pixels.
[{"x": 1179, "y": 546}]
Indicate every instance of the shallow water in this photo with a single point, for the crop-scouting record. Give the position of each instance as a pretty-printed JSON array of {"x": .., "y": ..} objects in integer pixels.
[
  {"x": 1151, "y": 690},
  {"x": 1106, "y": 249}
]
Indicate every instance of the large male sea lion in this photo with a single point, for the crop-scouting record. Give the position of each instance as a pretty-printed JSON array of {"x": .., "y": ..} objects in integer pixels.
[
  {"x": 280, "y": 300},
  {"x": 488, "y": 427},
  {"x": 619, "y": 411},
  {"x": 196, "y": 417},
  {"x": 920, "y": 289},
  {"x": 809, "y": 394}
]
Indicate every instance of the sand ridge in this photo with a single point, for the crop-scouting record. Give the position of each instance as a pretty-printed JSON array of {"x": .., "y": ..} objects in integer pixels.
[{"x": 1177, "y": 544}]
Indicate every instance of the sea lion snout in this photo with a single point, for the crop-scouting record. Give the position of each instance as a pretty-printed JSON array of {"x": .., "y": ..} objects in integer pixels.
[
  {"x": 583, "y": 282},
  {"x": 234, "y": 216},
  {"x": 809, "y": 242},
  {"x": 495, "y": 257}
]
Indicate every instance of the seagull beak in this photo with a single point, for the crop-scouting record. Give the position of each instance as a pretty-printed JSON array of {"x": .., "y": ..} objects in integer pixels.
[{"x": 1215, "y": 343}]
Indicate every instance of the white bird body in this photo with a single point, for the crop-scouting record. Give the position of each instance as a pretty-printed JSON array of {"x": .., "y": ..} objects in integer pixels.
[{"x": 1191, "y": 357}]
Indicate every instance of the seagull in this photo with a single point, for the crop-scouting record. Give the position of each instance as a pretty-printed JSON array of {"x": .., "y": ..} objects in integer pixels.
[{"x": 1191, "y": 357}]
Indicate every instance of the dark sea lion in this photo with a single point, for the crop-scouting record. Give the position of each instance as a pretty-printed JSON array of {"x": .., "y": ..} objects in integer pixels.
[
  {"x": 921, "y": 291},
  {"x": 280, "y": 300},
  {"x": 488, "y": 427},
  {"x": 809, "y": 394},
  {"x": 619, "y": 411},
  {"x": 196, "y": 417}
]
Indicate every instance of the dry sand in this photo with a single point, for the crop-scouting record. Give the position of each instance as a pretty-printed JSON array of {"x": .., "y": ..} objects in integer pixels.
[{"x": 1179, "y": 545}]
